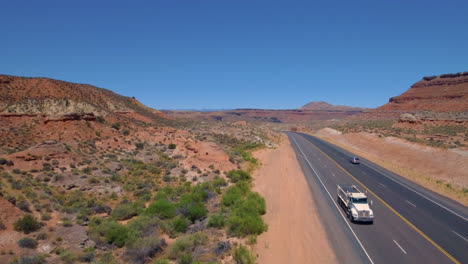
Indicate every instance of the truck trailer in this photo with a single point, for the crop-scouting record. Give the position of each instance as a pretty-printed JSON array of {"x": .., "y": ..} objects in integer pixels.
[{"x": 355, "y": 203}]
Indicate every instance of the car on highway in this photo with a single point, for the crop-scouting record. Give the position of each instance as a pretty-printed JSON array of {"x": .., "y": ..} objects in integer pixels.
[{"x": 355, "y": 160}]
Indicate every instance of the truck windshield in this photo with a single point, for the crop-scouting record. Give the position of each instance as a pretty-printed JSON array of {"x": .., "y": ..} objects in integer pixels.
[{"x": 360, "y": 200}]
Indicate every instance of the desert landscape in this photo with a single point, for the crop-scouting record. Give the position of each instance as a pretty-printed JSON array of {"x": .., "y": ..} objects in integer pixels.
[
  {"x": 86, "y": 171},
  {"x": 233, "y": 132}
]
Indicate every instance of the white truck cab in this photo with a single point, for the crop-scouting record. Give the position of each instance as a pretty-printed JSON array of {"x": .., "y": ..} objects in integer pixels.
[{"x": 355, "y": 203}]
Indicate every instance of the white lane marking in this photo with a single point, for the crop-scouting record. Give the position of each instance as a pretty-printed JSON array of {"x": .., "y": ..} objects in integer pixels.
[
  {"x": 334, "y": 175},
  {"x": 460, "y": 236},
  {"x": 411, "y": 189},
  {"x": 410, "y": 203},
  {"x": 333, "y": 201},
  {"x": 402, "y": 184},
  {"x": 383, "y": 185},
  {"x": 399, "y": 247}
]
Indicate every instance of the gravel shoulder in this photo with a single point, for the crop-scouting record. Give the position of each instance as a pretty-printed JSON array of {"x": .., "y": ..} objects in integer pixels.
[{"x": 295, "y": 233}]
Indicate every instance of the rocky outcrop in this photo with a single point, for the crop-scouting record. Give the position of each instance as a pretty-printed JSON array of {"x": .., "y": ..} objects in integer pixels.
[
  {"x": 444, "y": 93},
  {"x": 72, "y": 117},
  {"x": 48, "y": 97}
]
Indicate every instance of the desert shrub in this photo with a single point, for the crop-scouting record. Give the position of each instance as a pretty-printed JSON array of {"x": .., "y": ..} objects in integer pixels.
[
  {"x": 143, "y": 249},
  {"x": 428, "y": 78},
  {"x": 184, "y": 245},
  {"x": 246, "y": 207},
  {"x": 238, "y": 175},
  {"x": 179, "y": 224},
  {"x": 27, "y": 224},
  {"x": 243, "y": 256},
  {"x": 42, "y": 236},
  {"x": 185, "y": 258},
  {"x": 67, "y": 257},
  {"x": 144, "y": 225},
  {"x": 30, "y": 260},
  {"x": 117, "y": 234},
  {"x": 24, "y": 206},
  {"x": 234, "y": 193},
  {"x": 219, "y": 182},
  {"x": 126, "y": 132},
  {"x": 216, "y": 221},
  {"x": 2, "y": 225},
  {"x": 140, "y": 145},
  {"x": 27, "y": 242},
  {"x": 116, "y": 126},
  {"x": 172, "y": 146},
  {"x": 100, "y": 119},
  {"x": 161, "y": 208},
  {"x": 113, "y": 232},
  {"x": 126, "y": 211},
  {"x": 162, "y": 261},
  {"x": 87, "y": 255}
]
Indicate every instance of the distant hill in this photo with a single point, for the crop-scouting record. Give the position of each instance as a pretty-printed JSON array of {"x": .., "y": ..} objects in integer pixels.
[
  {"x": 442, "y": 93},
  {"x": 324, "y": 106},
  {"x": 311, "y": 112},
  {"x": 49, "y": 97}
]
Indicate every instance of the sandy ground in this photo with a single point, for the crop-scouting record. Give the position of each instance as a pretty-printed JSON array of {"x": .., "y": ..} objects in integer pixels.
[
  {"x": 433, "y": 168},
  {"x": 295, "y": 234}
]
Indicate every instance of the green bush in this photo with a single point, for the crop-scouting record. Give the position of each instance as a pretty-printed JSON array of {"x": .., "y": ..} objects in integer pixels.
[
  {"x": 116, "y": 126},
  {"x": 27, "y": 224},
  {"x": 126, "y": 211},
  {"x": 172, "y": 146},
  {"x": 191, "y": 204},
  {"x": 113, "y": 232},
  {"x": 162, "y": 261},
  {"x": 161, "y": 208},
  {"x": 219, "y": 182},
  {"x": 144, "y": 225},
  {"x": 143, "y": 249},
  {"x": 118, "y": 234},
  {"x": 31, "y": 260},
  {"x": 27, "y": 243},
  {"x": 238, "y": 175},
  {"x": 245, "y": 210},
  {"x": 184, "y": 245},
  {"x": 216, "y": 221},
  {"x": 179, "y": 224},
  {"x": 100, "y": 119},
  {"x": 235, "y": 193},
  {"x": 243, "y": 256}
]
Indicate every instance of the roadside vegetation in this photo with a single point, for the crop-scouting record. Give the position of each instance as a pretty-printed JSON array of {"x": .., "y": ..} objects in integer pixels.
[{"x": 136, "y": 202}]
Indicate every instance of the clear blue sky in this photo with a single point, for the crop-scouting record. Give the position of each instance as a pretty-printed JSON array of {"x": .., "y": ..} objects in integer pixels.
[{"x": 190, "y": 54}]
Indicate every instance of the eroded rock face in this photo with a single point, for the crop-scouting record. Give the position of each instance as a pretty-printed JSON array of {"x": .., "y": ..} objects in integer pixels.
[{"x": 441, "y": 94}]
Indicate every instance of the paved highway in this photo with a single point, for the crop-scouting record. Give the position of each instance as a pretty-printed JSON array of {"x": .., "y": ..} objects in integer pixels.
[{"x": 412, "y": 224}]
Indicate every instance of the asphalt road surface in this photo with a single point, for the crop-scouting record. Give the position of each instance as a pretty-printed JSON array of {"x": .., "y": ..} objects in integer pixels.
[{"x": 411, "y": 223}]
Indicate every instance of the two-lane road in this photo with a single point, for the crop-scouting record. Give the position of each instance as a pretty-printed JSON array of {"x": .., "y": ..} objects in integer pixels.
[{"x": 412, "y": 224}]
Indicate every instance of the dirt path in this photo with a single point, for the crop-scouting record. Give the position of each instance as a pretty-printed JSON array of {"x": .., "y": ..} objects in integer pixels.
[{"x": 295, "y": 234}]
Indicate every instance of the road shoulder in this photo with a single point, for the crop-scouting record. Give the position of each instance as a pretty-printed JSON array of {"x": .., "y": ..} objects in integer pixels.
[{"x": 295, "y": 233}]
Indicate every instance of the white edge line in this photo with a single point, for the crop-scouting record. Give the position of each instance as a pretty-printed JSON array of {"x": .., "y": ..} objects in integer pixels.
[
  {"x": 333, "y": 201},
  {"x": 399, "y": 246},
  {"x": 410, "y": 203},
  {"x": 411, "y": 189},
  {"x": 404, "y": 185},
  {"x": 460, "y": 236}
]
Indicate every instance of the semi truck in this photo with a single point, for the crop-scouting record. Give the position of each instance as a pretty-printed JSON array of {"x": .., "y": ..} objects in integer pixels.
[{"x": 355, "y": 203}]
